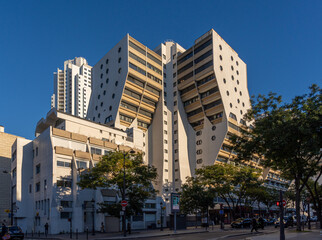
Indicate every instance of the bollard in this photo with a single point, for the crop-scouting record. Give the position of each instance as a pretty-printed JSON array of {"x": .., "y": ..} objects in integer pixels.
[
  {"x": 38, "y": 234},
  {"x": 26, "y": 234},
  {"x": 86, "y": 233},
  {"x": 76, "y": 233},
  {"x": 32, "y": 233}
]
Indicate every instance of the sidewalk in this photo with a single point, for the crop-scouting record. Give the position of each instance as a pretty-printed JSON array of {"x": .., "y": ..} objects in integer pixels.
[
  {"x": 269, "y": 233},
  {"x": 148, "y": 233},
  {"x": 119, "y": 235}
]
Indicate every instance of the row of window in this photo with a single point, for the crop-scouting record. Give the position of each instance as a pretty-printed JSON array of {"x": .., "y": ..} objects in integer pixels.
[
  {"x": 136, "y": 81},
  {"x": 203, "y": 67},
  {"x": 209, "y": 92},
  {"x": 205, "y": 80},
  {"x": 188, "y": 89},
  {"x": 213, "y": 104},
  {"x": 139, "y": 49},
  {"x": 194, "y": 112},
  {"x": 128, "y": 106},
  {"x": 190, "y": 101},
  {"x": 213, "y": 117}
]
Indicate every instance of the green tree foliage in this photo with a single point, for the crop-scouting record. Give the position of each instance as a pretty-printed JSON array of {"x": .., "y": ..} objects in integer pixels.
[
  {"x": 195, "y": 197},
  {"x": 287, "y": 136},
  {"x": 108, "y": 173},
  {"x": 230, "y": 182}
]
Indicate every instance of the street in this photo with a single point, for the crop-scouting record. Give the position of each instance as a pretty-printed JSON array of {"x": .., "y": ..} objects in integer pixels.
[{"x": 269, "y": 234}]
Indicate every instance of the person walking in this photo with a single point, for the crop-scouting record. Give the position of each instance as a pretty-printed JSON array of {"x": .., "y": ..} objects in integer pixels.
[
  {"x": 129, "y": 227},
  {"x": 254, "y": 225},
  {"x": 46, "y": 228},
  {"x": 102, "y": 227},
  {"x": 3, "y": 230},
  {"x": 261, "y": 223}
]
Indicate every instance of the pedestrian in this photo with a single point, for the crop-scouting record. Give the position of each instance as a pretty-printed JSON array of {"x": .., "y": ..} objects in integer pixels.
[
  {"x": 254, "y": 225},
  {"x": 261, "y": 222},
  {"x": 3, "y": 230},
  {"x": 46, "y": 228},
  {"x": 102, "y": 227},
  {"x": 129, "y": 227}
]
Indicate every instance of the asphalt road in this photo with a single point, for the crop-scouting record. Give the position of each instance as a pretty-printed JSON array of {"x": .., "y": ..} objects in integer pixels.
[{"x": 228, "y": 235}]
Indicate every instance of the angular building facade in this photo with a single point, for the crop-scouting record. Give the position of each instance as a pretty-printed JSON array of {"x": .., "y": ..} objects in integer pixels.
[
  {"x": 187, "y": 103},
  {"x": 72, "y": 87}
]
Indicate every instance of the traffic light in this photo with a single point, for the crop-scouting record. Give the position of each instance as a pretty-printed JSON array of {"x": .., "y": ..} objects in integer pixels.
[{"x": 278, "y": 203}]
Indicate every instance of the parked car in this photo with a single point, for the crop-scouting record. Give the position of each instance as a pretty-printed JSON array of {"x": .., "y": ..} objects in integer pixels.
[
  {"x": 14, "y": 232},
  {"x": 241, "y": 223},
  {"x": 288, "y": 222},
  {"x": 271, "y": 221}
]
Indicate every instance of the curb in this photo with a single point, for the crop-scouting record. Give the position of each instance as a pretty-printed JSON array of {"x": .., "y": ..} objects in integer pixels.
[
  {"x": 244, "y": 234},
  {"x": 149, "y": 236}
]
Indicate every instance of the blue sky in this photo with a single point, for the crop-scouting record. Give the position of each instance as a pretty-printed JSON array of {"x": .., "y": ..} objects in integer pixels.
[{"x": 280, "y": 41}]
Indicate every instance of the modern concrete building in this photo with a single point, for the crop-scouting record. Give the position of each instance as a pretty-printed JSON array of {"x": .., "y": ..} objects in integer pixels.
[
  {"x": 6, "y": 141},
  {"x": 187, "y": 102},
  {"x": 47, "y": 170},
  {"x": 178, "y": 107},
  {"x": 72, "y": 87}
]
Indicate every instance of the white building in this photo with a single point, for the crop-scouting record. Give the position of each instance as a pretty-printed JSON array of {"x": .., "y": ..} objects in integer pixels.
[
  {"x": 72, "y": 87},
  {"x": 187, "y": 102},
  {"x": 47, "y": 171}
]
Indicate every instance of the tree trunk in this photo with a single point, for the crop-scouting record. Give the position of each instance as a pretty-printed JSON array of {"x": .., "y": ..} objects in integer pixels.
[
  {"x": 297, "y": 204},
  {"x": 319, "y": 214}
]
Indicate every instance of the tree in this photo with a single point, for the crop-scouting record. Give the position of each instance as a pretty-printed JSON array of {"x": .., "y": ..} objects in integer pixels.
[
  {"x": 315, "y": 190},
  {"x": 195, "y": 197},
  {"x": 108, "y": 173},
  {"x": 230, "y": 182},
  {"x": 286, "y": 136}
]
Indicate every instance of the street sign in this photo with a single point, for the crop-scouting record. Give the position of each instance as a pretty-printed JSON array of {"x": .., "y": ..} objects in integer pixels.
[
  {"x": 122, "y": 213},
  {"x": 124, "y": 203},
  {"x": 175, "y": 202},
  {"x": 123, "y": 208},
  {"x": 221, "y": 212},
  {"x": 284, "y": 203}
]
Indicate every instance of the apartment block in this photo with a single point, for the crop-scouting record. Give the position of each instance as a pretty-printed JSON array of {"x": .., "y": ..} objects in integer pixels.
[
  {"x": 72, "y": 87},
  {"x": 187, "y": 103},
  {"x": 47, "y": 170},
  {"x": 6, "y": 141}
]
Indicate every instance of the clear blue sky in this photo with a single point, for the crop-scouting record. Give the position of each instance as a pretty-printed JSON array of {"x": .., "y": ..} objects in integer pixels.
[{"x": 280, "y": 41}]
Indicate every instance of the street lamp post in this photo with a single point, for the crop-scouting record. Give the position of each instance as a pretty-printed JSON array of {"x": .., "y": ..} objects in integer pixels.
[
  {"x": 123, "y": 194},
  {"x": 93, "y": 211},
  {"x": 161, "y": 207}
]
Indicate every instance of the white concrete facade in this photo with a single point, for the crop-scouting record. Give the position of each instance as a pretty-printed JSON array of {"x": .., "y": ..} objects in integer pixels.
[
  {"x": 72, "y": 87},
  {"x": 202, "y": 100},
  {"x": 47, "y": 171}
]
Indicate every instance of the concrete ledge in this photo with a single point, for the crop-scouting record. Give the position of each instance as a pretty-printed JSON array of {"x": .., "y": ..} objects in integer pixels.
[
  {"x": 61, "y": 133},
  {"x": 96, "y": 157},
  {"x": 110, "y": 145},
  {"x": 96, "y": 141},
  {"x": 81, "y": 154},
  {"x": 124, "y": 148},
  {"x": 79, "y": 137},
  {"x": 63, "y": 151}
]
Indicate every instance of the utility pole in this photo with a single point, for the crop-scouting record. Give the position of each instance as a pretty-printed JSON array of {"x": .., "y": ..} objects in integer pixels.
[{"x": 123, "y": 195}]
